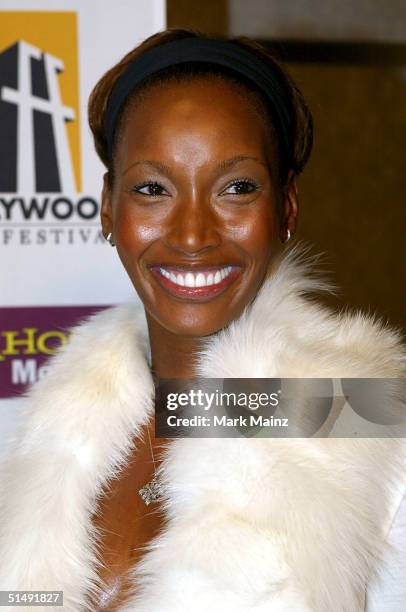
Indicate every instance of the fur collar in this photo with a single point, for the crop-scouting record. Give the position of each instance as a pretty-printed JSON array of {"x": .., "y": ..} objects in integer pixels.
[{"x": 253, "y": 525}]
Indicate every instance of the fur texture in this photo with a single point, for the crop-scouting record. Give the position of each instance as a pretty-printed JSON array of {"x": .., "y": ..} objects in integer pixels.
[{"x": 254, "y": 525}]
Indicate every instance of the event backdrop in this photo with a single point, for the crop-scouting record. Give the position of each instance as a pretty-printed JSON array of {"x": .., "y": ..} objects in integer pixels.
[{"x": 55, "y": 266}]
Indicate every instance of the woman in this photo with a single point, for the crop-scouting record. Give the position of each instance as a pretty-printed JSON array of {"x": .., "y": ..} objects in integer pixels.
[{"x": 203, "y": 141}]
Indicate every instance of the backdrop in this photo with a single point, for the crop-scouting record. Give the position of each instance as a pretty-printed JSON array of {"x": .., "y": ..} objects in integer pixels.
[{"x": 55, "y": 266}]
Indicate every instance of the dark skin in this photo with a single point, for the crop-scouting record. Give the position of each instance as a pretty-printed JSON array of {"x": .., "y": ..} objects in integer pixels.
[
  {"x": 195, "y": 183},
  {"x": 175, "y": 200}
]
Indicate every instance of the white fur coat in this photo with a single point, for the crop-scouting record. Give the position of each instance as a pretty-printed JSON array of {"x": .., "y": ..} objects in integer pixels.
[{"x": 254, "y": 525}]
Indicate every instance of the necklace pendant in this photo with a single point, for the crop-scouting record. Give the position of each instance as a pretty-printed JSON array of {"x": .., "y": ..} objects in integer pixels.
[{"x": 152, "y": 491}]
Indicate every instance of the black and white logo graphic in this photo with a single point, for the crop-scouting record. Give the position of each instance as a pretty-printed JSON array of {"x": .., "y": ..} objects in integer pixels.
[{"x": 34, "y": 149}]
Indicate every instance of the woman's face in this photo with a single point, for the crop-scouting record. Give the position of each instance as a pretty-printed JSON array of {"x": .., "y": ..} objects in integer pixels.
[{"x": 194, "y": 206}]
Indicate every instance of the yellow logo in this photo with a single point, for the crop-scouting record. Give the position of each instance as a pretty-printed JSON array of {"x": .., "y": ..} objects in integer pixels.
[{"x": 39, "y": 94}]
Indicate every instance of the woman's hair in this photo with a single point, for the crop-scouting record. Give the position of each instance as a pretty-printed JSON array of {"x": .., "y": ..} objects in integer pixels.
[{"x": 301, "y": 118}]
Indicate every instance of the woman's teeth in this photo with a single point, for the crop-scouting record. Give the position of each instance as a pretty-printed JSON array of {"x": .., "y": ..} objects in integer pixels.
[{"x": 197, "y": 279}]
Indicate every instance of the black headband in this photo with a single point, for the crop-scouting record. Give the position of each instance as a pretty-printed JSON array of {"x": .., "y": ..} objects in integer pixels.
[{"x": 207, "y": 50}]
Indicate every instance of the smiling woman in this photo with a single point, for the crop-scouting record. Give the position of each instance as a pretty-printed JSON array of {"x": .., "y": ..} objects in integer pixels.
[
  {"x": 203, "y": 140},
  {"x": 196, "y": 210},
  {"x": 213, "y": 181}
]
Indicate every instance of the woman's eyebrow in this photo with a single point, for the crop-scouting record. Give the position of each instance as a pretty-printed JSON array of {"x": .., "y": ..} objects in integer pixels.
[
  {"x": 224, "y": 164},
  {"x": 149, "y": 162}
]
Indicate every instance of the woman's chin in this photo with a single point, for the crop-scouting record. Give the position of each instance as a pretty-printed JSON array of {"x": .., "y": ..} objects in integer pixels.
[
  {"x": 194, "y": 330},
  {"x": 188, "y": 322}
]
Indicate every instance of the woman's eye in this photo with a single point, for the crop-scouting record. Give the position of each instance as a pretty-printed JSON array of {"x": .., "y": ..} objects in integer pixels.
[
  {"x": 150, "y": 189},
  {"x": 240, "y": 187}
]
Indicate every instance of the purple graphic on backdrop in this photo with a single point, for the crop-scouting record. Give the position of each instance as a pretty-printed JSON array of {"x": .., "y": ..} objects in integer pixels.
[{"x": 28, "y": 337}]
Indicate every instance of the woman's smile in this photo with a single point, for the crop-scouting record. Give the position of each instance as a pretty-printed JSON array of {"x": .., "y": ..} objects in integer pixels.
[{"x": 195, "y": 283}]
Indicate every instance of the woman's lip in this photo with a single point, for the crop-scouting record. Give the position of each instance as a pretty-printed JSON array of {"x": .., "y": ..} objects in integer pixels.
[{"x": 195, "y": 293}]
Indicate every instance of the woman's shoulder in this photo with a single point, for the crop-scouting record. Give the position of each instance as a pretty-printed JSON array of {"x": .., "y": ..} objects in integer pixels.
[
  {"x": 106, "y": 324},
  {"x": 97, "y": 338},
  {"x": 356, "y": 342},
  {"x": 105, "y": 354},
  {"x": 289, "y": 331}
]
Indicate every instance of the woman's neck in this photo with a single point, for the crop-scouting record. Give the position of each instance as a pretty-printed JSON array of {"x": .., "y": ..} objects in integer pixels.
[{"x": 171, "y": 354}]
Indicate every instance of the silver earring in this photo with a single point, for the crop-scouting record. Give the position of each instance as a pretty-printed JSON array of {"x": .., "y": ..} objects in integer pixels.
[
  {"x": 288, "y": 235},
  {"x": 109, "y": 239}
]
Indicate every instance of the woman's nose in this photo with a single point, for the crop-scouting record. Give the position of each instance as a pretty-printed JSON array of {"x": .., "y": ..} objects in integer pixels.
[{"x": 193, "y": 228}]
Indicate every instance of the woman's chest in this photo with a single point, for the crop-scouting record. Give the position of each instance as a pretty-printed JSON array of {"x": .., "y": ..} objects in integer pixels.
[{"x": 125, "y": 525}]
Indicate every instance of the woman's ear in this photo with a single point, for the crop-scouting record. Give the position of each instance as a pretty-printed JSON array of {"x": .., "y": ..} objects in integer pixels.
[
  {"x": 290, "y": 207},
  {"x": 106, "y": 214}
]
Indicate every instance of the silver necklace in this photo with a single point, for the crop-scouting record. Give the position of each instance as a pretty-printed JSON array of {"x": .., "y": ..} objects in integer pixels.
[{"x": 153, "y": 490}]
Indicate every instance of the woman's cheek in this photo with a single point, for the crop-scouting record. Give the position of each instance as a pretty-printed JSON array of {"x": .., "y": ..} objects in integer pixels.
[
  {"x": 134, "y": 232},
  {"x": 254, "y": 233}
]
